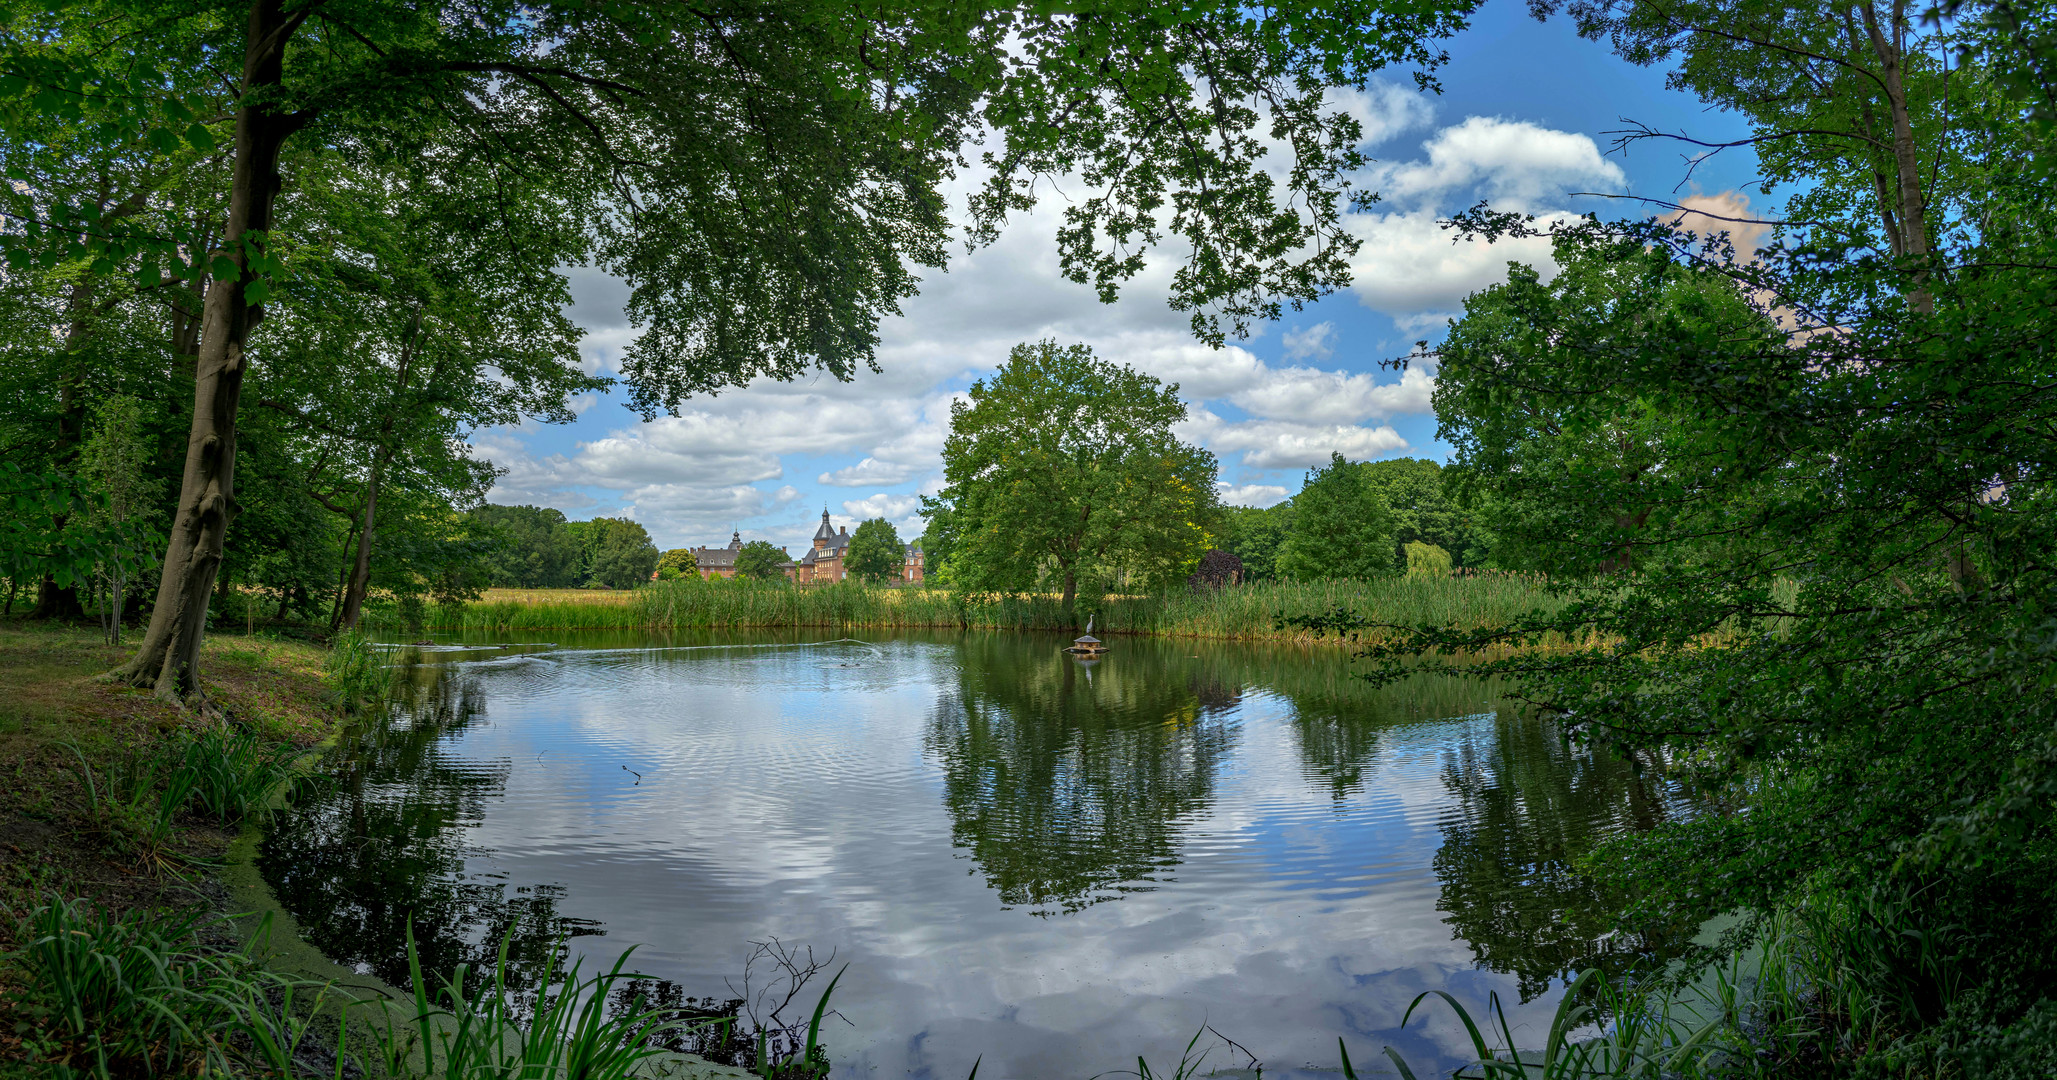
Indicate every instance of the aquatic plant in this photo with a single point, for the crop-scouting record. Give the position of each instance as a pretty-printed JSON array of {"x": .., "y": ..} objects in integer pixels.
[
  {"x": 1252, "y": 611},
  {"x": 457, "y": 1034},
  {"x": 357, "y": 671}
]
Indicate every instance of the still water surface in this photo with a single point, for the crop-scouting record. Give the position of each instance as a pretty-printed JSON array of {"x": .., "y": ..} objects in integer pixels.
[{"x": 1052, "y": 865}]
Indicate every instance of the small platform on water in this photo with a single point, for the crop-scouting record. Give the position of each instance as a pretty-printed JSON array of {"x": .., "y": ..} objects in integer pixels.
[{"x": 1087, "y": 645}]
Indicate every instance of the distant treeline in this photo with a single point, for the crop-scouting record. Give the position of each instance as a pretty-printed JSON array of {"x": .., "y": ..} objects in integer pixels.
[
  {"x": 1356, "y": 519},
  {"x": 534, "y": 547}
]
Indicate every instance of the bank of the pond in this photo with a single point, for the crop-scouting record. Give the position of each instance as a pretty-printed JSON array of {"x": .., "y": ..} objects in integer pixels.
[
  {"x": 122, "y": 806},
  {"x": 1245, "y": 612}
]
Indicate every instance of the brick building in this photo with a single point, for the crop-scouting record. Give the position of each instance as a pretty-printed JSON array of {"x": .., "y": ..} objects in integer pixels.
[
  {"x": 824, "y": 563},
  {"x": 721, "y": 562}
]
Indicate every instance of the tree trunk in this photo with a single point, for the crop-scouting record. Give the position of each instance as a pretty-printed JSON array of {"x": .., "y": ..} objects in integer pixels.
[
  {"x": 1070, "y": 595},
  {"x": 360, "y": 571},
  {"x": 343, "y": 577},
  {"x": 53, "y": 601},
  {"x": 360, "y": 574},
  {"x": 1913, "y": 207},
  {"x": 169, "y": 658}
]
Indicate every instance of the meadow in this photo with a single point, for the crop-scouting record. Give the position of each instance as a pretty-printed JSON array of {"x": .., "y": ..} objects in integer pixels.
[{"x": 1244, "y": 612}]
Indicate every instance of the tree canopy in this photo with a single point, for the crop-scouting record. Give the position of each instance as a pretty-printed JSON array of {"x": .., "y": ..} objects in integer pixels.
[
  {"x": 875, "y": 553},
  {"x": 767, "y": 179},
  {"x": 1342, "y": 526},
  {"x": 1825, "y": 463},
  {"x": 761, "y": 560},
  {"x": 1062, "y": 469},
  {"x": 678, "y": 564},
  {"x": 617, "y": 552}
]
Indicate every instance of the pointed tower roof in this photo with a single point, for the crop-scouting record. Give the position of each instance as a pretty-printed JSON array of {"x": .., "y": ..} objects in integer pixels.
[{"x": 827, "y": 531}]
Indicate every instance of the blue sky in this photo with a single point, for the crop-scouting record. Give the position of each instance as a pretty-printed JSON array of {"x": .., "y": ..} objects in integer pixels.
[{"x": 1522, "y": 121}]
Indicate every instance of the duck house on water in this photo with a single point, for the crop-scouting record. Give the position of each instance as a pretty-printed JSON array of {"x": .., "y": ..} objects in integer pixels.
[{"x": 1086, "y": 644}]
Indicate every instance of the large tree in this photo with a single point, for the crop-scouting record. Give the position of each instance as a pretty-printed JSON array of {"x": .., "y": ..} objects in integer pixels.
[
  {"x": 761, "y": 560},
  {"x": 1830, "y": 464},
  {"x": 875, "y": 553},
  {"x": 1342, "y": 526},
  {"x": 537, "y": 550},
  {"x": 618, "y": 552},
  {"x": 1062, "y": 468},
  {"x": 766, "y": 177}
]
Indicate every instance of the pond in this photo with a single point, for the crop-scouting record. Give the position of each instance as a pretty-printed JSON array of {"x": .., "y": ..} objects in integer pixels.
[{"x": 1047, "y": 865}]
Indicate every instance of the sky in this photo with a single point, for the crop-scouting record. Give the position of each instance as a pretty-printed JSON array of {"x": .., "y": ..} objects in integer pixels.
[{"x": 1522, "y": 120}]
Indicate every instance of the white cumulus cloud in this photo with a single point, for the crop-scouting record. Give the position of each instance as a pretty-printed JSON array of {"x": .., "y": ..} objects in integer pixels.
[
  {"x": 1310, "y": 342},
  {"x": 1258, "y": 495},
  {"x": 895, "y": 508}
]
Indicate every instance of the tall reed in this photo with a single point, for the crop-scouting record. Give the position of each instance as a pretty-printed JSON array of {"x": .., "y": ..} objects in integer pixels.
[{"x": 1251, "y": 611}]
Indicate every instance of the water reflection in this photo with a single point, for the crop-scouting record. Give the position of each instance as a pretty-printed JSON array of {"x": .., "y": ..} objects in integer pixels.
[
  {"x": 1206, "y": 831},
  {"x": 1067, "y": 784},
  {"x": 379, "y": 847},
  {"x": 1529, "y": 805}
]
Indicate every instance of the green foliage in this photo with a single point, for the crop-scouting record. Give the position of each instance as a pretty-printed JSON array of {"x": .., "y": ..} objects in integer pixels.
[
  {"x": 135, "y": 802},
  {"x": 126, "y": 987},
  {"x": 1426, "y": 560},
  {"x": 678, "y": 564},
  {"x": 457, "y": 1031},
  {"x": 283, "y": 543},
  {"x": 1825, "y": 464},
  {"x": 1063, "y": 468},
  {"x": 1423, "y": 511},
  {"x": 761, "y": 560},
  {"x": 537, "y": 549},
  {"x": 1255, "y": 536},
  {"x": 1342, "y": 527},
  {"x": 52, "y": 527},
  {"x": 618, "y": 552},
  {"x": 235, "y": 771},
  {"x": 359, "y": 672},
  {"x": 875, "y": 554}
]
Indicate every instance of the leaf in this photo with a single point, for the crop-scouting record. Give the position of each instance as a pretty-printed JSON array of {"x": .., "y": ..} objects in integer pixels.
[{"x": 199, "y": 138}]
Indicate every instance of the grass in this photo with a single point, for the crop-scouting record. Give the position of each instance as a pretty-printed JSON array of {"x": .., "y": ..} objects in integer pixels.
[
  {"x": 119, "y": 804},
  {"x": 1246, "y": 612}
]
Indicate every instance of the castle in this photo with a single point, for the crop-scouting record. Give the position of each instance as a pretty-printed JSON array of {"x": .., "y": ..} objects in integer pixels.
[
  {"x": 824, "y": 562},
  {"x": 821, "y": 565}
]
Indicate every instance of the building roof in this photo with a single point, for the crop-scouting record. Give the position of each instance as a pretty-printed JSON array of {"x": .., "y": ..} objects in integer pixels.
[
  {"x": 827, "y": 531},
  {"x": 719, "y": 558}
]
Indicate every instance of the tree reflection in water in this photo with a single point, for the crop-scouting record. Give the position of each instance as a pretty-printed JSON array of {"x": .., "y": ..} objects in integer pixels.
[
  {"x": 1529, "y": 806},
  {"x": 1066, "y": 785},
  {"x": 376, "y": 845},
  {"x": 1067, "y": 781}
]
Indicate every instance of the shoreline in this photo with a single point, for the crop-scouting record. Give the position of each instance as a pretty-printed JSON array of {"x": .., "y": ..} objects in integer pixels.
[
  {"x": 55, "y": 718},
  {"x": 1247, "y": 612}
]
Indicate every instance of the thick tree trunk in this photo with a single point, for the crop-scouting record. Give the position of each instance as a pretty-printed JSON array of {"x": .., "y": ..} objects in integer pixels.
[
  {"x": 1070, "y": 595},
  {"x": 169, "y": 657}
]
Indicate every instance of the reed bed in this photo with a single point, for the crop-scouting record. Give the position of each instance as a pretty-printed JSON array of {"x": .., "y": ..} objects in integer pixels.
[{"x": 1249, "y": 612}]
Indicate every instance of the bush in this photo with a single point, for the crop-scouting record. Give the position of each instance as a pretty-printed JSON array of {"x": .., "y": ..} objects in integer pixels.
[{"x": 1427, "y": 560}]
